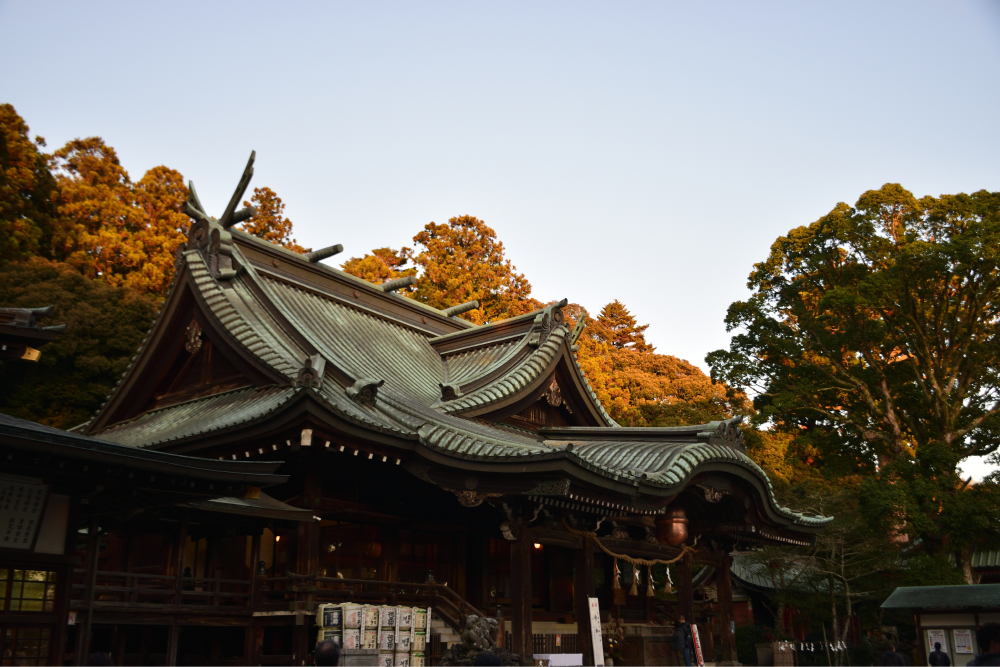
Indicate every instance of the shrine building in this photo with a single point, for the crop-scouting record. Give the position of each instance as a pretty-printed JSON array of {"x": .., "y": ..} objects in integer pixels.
[{"x": 468, "y": 468}]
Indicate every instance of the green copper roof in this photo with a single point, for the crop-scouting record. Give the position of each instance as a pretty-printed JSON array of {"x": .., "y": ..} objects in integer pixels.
[
  {"x": 941, "y": 597},
  {"x": 429, "y": 386}
]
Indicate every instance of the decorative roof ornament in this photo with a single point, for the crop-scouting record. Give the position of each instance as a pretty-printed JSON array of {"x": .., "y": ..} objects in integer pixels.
[
  {"x": 400, "y": 283},
  {"x": 321, "y": 254},
  {"x": 365, "y": 391},
  {"x": 210, "y": 236},
  {"x": 449, "y": 392},
  {"x": 461, "y": 308},
  {"x": 311, "y": 375},
  {"x": 729, "y": 433},
  {"x": 192, "y": 337}
]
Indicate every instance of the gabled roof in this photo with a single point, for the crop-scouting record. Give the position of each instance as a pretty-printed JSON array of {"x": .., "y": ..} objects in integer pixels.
[{"x": 320, "y": 341}]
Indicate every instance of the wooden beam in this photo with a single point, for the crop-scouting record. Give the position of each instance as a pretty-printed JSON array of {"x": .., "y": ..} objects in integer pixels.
[
  {"x": 582, "y": 589},
  {"x": 520, "y": 599},
  {"x": 724, "y": 589}
]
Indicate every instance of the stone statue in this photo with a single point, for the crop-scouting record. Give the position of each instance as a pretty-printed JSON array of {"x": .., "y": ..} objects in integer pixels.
[{"x": 478, "y": 637}]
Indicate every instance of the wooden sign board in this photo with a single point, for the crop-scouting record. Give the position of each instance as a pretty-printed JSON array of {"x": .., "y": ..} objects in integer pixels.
[
  {"x": 595, "y": 631},
  {"x": 22, "y": 501}
]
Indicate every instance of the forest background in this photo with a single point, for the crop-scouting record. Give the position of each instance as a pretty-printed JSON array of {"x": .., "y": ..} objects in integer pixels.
[{"x": 867, "y": 421}]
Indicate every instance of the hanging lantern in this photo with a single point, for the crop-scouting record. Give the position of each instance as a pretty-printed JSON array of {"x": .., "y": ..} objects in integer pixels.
[{"x": 672, "y": 528}]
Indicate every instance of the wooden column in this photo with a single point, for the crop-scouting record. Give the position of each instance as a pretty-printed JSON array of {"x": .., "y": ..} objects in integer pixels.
[
  {"x": 583, "y": 588},
  {"x": 520, "y": 597},
  {"x": 724, "y": 589},
  {"x": 307, "y": 551},
  {"x": 250, "y": 638},
  {"x": 173, "y": 643},
  {"x": 90, "y": 581},
  {"x": 179, "y": 563},
  {"x": 685, "y": 588}
]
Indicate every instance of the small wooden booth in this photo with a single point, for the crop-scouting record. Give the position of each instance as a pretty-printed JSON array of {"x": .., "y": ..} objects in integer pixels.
[
  {"x": 466, "y": 468},
  {"x": 949, "y": 615}
]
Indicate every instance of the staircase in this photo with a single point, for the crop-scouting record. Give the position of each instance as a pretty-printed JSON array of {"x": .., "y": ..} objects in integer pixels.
[{"x": 446, "y": 632}]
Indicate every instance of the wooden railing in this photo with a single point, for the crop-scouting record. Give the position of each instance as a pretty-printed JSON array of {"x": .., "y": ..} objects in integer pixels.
[
  {"x": 297, "y": 593},
  {"x": 550, "y": 643},
  {"x": 133, "y": 589}
]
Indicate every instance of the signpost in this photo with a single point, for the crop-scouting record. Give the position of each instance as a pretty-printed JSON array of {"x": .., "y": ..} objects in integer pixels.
[{"x": 595, "y": 632}]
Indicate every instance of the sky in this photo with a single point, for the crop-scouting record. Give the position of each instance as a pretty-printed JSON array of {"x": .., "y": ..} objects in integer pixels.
[{"x": 649, "y": 152}]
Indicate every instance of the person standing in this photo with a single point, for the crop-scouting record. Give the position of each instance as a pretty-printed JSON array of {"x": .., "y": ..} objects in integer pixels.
[
  {"x": 939, "y": 658},
  {"x": 682, "y": 639},
  {"x": 988, "y": 637},
  {"x": 891, "y": 657}
]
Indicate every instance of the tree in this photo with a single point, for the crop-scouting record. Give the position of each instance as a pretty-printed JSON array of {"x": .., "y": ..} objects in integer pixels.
[
  {"x": 26, "y": 189},
  {"x": 616, "y": 326},
  {"x": 874, "y": 331},
  {"x": 159, "y": 197},
  {"x": 96, "y": 211},
  {"x": 382, "y": 265},
  {"x": 464, "y": 261},
  {"x": 639, "y": 387},
  {"x": 78, "y": 370},
  {"x": 270, "y": 222}
]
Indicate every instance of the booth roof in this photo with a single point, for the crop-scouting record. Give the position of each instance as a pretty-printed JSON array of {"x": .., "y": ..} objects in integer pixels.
[{"x": 941, "y": 597}]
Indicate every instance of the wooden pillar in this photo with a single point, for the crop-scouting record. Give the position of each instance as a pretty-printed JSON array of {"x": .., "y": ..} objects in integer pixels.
[
  {"x": 179, "y": 563},
  {"x": 250, "y": 638},
  {"x": 520, "y": 598},
  {"x": 173, "y": 643},
  {"x": 583, "y": 588},
  {"x": 90, "y": 581},
  {"x": 724, "y": 589},
  {"x": 685, "y": 588},
  {"x": 307, "y": 551}
]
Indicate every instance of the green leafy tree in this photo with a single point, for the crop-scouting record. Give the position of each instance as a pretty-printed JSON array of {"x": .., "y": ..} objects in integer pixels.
[
  {"x": 874, "y": 333},
  {"x": 78, "y": 370}
]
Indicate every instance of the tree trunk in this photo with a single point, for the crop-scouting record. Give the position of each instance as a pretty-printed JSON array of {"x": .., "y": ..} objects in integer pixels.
[{"x": 964, "y": 557}]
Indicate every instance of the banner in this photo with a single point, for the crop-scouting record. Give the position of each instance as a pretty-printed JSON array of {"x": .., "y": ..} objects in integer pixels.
[{"x": 696, "y": 640}]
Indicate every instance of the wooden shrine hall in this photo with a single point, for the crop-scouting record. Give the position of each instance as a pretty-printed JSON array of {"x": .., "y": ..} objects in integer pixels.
[{"x": 469, "y": 468}]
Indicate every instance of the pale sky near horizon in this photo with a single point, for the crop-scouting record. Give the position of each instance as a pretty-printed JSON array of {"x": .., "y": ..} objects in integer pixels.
[{"x": 644, "y": 151}]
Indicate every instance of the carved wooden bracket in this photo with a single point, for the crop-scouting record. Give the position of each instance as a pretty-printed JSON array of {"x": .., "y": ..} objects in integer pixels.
[{"x": 192, "y": 337}]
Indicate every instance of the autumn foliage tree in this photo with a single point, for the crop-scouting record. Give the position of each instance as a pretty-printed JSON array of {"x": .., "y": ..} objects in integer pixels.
[
  {"x": 458, "y": 262},
  {"x": 79, "y": 206},
  {"x": 641, "y": 388},
  {"x": 382, "y": 265},
  {"x": 270, "y": 222},
  {"x": 26, "y": 189}
]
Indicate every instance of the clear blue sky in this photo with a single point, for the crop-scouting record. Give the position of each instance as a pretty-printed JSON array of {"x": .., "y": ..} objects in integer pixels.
[{"x": 644, "y": 151}]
